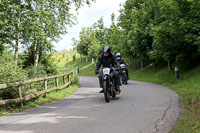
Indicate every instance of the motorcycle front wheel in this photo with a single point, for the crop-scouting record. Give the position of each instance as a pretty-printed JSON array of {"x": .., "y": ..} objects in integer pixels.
[{"x": 106, "y": 91}]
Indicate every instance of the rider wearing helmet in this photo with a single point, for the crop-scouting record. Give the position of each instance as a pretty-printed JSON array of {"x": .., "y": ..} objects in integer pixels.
[
  {"x": 120, "y": 60},
  {"x": 107, "y": 59}
]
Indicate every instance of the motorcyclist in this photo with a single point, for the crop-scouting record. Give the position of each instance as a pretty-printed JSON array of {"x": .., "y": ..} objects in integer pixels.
[
  {"x": 120, "y": 60},
  {"x": 106, "y": 59}
]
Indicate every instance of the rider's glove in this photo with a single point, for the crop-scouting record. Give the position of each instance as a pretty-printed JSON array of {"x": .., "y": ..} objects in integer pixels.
[{"x": 96, "y": 72}]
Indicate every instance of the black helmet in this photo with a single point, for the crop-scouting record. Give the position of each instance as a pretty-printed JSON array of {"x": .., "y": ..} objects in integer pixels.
[
  {"x": 118, "y": 55},
  {"x": 106, "y": 49}
]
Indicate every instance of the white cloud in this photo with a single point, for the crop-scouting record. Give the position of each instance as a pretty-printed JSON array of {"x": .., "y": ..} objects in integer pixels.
[{"x": 87, "y": 16}]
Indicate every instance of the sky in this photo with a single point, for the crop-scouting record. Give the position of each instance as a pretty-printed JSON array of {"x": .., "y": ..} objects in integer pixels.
[{"x": 86, "y": 17}]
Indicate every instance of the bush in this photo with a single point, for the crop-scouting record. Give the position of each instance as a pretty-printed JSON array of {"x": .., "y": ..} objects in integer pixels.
[
  {"x": 74, "y": 57},
  {"x": 9, "y": 73},
  {"x": 48, "y": 64},
  {"x": 39, "y": 72}
]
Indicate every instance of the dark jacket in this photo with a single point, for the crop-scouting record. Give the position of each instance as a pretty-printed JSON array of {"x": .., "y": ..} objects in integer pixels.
[
  {"x": 121, "y": 61},
  {"x": 107, "y": 61}
]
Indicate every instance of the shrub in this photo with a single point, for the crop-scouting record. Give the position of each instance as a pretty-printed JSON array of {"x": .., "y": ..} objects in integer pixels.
[
  {"x": 9, "y": 73},
  {"x": 74, "y": 57}
]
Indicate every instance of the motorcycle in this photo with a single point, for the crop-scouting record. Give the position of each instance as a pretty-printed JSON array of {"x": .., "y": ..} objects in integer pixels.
[
  {"x": 109, "y": 87},
  {"x": 123, "y": 75}
]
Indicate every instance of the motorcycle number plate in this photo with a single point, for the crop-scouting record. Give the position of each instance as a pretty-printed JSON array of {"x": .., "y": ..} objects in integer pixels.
[{"x": 106, "y": 71}]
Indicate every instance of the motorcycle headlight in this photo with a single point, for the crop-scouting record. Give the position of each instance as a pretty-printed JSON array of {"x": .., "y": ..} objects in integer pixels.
[{"x": 122, "y": 66}]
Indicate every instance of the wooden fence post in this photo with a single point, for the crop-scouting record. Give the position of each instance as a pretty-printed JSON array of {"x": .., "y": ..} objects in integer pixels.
[
  {"x": 72, "y": 73},
  {"x": 20, "y": 95},
  {"x": 68, "y": 77},
  {"x": 45, "y": 86},
  {"x": 57, "y": 80},
  {"x": 77, "y": 69},
  {"x": 64, "y": 80}
]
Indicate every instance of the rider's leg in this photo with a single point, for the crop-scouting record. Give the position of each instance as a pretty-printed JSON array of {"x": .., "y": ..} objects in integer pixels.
[
  {"x": 117, "y": 79},
  {"x": 127, "y": 73},
  {"x": 101, "y": 81}
]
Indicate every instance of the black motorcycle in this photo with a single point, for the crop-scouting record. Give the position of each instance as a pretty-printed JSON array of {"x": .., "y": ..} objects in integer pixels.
[
  {"x": 109, "y": 87},
  {"x": 123, "y": 75}
]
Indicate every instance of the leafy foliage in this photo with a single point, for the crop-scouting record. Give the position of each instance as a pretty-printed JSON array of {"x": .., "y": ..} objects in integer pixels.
[{"x": 9, "y": 72}]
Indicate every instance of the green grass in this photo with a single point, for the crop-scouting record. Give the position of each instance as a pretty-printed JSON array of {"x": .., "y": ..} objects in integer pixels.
[
  {"x": 88, "y": 70},
  {"x": 67, "y": 64}
]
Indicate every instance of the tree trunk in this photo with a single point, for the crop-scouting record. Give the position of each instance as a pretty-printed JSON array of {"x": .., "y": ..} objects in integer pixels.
[
  {"x": 142, "y": 64},
  {"x": 169, "y": 65},
  {"x": 95, "y": 59},
  {"x": 16, "y": 48},
  {"x": 36, "y": 56},
  {"x": 17, "y": 34},
  {"x": 34, "y": 47},
  {"x": 86, "y": 59},
  {"x": 154, "y": 65},
  {"x": 92, "y": 60},
  {"x": 80, "y": 57}
]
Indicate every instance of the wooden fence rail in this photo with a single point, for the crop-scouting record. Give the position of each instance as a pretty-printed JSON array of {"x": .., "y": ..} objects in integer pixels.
[{"x": 22, "y": 98}]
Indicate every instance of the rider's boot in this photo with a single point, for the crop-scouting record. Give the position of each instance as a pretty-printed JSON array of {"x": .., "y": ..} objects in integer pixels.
[
  {"x": 101, "y": 91},
  {"x": 118, "y": 89}
]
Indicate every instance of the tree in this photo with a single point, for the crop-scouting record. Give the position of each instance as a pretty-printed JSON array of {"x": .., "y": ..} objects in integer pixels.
[
  {"x": 33, "y": 22},
  {"x": 134, "y": 19}
]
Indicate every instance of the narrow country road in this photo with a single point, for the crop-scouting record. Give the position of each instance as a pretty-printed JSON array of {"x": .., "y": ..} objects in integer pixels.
[{"x": 140, "y": 108}]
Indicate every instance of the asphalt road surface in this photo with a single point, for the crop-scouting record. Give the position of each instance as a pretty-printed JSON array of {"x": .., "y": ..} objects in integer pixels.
[{"x": 140, "y": 108}]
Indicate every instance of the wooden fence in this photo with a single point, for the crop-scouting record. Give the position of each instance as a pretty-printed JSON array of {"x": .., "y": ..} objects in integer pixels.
[{"x": 22, "y": 96}]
